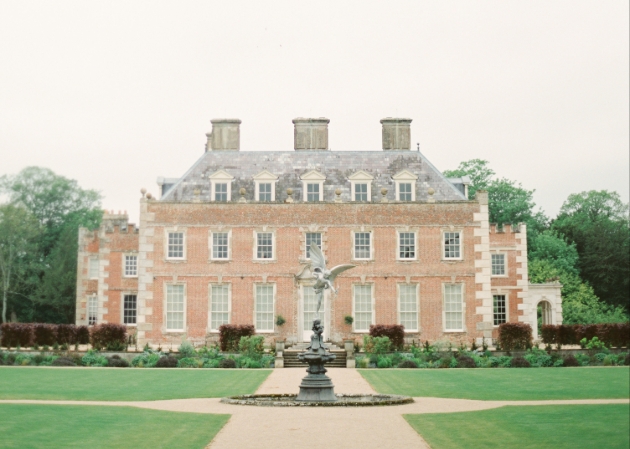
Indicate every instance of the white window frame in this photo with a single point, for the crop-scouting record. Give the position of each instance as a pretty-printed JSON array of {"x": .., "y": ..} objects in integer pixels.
[
  {"x": 166, "y": 240},
  {"x": 371, "y": 234},
  {"x": 505, "y": 265},
  {"x": 312, "y": 177},
  {"x": 360, "y": 177},
  {"x": 273, "y": 313},
  {"x": 321, "y": 242},
  {"x": 184, "y": 293},
  {"x": 220, "y": 177},
  {"x": 417, "y": 303},
  {"x": 506, "y": 305},
  {"x": 461, "y": 244},
  {"x": 273, "y": 245},
  {"x": 265, "y": 177},
  {"x": 463, "y": 304},
  {"x": 122, "y": 308},
  {"x": 211, "y": 288},
  {"x": 211, "y": 245},
  {"x": 354, "y": 311},
  {"x": 405, "y": 177},
  {"x": 93, "y": 262},
  {"x": 125, "y": 273},
  {"x": 92, "y": 306},
  {"x": 415, "y": 245}
]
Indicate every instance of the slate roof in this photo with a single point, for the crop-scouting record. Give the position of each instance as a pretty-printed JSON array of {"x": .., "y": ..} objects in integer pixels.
[{"x": 337, "y": 166}]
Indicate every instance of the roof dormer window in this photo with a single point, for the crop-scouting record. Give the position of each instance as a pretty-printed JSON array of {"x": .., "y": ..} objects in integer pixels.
[
  {"x": 221, "y": 185},
  {"x": 361, "y": 186},
  {"x": 313, "y": 186},
  {"x": 405, "y": 185}
]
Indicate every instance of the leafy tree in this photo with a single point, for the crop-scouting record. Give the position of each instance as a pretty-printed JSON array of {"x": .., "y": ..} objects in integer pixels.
[
  {"x": 18, "y": 233},
  {"x": 477, "y": 170},
  {"x": 580, "y": 304},
  {"x": 597, "y": 223},
  {"x": 552, "y": 247},
  {"x": 60, "y": 206}
]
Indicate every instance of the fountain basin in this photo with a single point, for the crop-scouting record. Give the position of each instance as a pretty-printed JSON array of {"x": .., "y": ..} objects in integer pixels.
[{"x": 343, "y": 400}]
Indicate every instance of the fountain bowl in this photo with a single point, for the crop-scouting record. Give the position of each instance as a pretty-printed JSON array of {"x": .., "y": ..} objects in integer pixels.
[{"x": 343, "y": 400}]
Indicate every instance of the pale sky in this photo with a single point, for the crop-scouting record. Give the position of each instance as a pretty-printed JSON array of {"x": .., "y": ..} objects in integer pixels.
[{"x": 116, "y": 93}]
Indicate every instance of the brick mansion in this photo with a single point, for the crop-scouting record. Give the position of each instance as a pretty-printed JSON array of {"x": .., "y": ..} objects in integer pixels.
[{"x": 228, "y": 242}]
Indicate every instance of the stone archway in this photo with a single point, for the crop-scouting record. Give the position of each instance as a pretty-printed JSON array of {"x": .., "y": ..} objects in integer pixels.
[
  {"x": 544, "y": 314},
  {"x": 542, "y": 305}
]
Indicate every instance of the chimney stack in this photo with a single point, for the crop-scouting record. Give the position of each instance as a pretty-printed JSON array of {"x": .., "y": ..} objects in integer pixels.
[
  {"x": 310, "y": 133},
  {"x": 225, "y": 135},
  {"x": 396, "y": 133}
]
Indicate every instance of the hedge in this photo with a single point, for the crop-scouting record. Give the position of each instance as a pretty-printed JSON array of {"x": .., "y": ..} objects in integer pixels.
[
  {"x": 230, "y": 335},
  {"x": 515, "y": 336},
  {"x": 17, "y": 334},
  {"x": 45, "y": 334},
  {"x": 28, "y": 334},
  {"x": 615, "y": 335},
  {"x": 112, "y": 337},
  {"x": 395, "y": 333}
]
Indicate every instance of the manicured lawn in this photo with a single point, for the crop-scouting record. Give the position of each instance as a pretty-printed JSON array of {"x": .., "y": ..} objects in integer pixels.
[
  {"x": 125, "y": 384},
  {"x": 548, "y": 426},
  {"x": 71, "y": 426},
  {"x": 504, "y": 384}
]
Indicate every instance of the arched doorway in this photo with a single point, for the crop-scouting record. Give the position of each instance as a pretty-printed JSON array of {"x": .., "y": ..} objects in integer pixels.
[{"x": 544, "y": 314}]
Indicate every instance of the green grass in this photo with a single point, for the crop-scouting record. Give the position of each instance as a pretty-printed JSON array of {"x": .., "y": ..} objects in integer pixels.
[
  {"x": 548, "y": 426},
  {"x": 120, "y": 384},
  {"x": 71, "y": 426},
  {"x": 504, "y": 384}
]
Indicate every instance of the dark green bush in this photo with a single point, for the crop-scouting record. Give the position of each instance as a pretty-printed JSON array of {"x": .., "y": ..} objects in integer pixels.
[
  {"x": 167, "y": 362},
  {"x": 384, "y": 362},
  {"x": 188, "y": 362},
  {"x": 626, "y": 360},
  {"x": 38, "y": 359},
  {"x": 520, "y": 362},
  {"x": 186, "y": 350},
  {"x": 407, "y": 364},
  {"x": 445, "y": 362},
  {"x": 63, "y": 361},
  {"x": 252, "y": 347},
  {"x": 570, "y": 360},
  {"x": 116, "y": 361},
  {"x": 10, "y": 358},
  {"x": 93, "y": 358},
  {"x": 227, "y": 363},
  {"x": 464, "y": 361}
]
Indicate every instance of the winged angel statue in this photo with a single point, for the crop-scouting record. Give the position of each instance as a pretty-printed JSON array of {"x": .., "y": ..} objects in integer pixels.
[{"x": 324, "y": 278}]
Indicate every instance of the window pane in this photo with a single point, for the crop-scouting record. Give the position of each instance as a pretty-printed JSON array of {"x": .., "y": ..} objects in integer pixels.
[
  {"x": 264, "y": 307},
  {"x": 176, "y": 245},
  {"x": 453, "y": 307},
  {"x": 131, "y": 265},
  {"x": 362, "y": 245},
  {"x": 498, "y": 264},
  {"x": 500, "y": 314},
  {"x": 451, "y": 245},
  {"x": 92, "y": 309},
  {"x": 362, "y": 307},
  {"x": 130, "y": 309},
  {"x": 219, "y": 245},
  {"x": 404, "y": 193},
  {"x": 360, "y": 192},
  {"x": 175, "y": 307},
  {"x": 313, "y": 237},
  {"x": 312, "y": 192},
  {"x": 93, "y": 268},
  {"x": 264, "y": 191},
  {"x": 408, "y": 306},
  {"x": 407, "y": 247},
  {"x": 219, "y": 306},
  {"x": 220, "y": 192},
  {"x": 264, "y": 245},
  {"x": 310, "y": 306}
]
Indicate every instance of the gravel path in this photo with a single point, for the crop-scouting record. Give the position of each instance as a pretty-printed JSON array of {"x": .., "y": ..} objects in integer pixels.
[{"x": 338, "y": 427}]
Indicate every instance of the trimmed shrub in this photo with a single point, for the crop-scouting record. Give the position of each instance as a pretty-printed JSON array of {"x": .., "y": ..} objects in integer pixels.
[
  {"x": 24, "y": 360},
  {"x": 520, "y": 362},
  {"x": 548, "y": 333},
  {"x": 167, "y": 362},
  {"x": 230, "y": 335},
  {"x": 189, "y": 362},
  {"x": 186, "y": 350},
  {"x": 112, "y": 337},
  {"x": 82, "y": 335},
  {"x": 66, "y": 334},
  {"x": 408, "y": 364},
  {"x": 384, "y": 362},
  {"x": 93, "y": 358},
  {"x": 45, "y": 334},
  {"x": 570, "y": 360},
  {"x": 445, "y": 362},
  {"x": 148, "y": 359},
  {"x": 464, "y": 361},
  {"x": 63, "y": 361},
  {"x": 395, "y": 333},
  {"x": 227, "y": 363},
  {"x": 515, "y": 336},
  {"x": 116, "y": 361},
  {"x": 17, "y": 334},
  {"x": 252, "y": 347}
]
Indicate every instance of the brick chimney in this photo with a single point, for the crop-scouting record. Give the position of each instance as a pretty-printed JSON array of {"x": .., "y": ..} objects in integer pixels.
[
  {"x": 310, "y": 133},
  {"x": 396, "y": 133},
  {"x": 225, "y": 135}
]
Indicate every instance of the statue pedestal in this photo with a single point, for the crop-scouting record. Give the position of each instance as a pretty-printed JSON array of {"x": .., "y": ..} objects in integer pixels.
[{"x": 316, "y": 386}]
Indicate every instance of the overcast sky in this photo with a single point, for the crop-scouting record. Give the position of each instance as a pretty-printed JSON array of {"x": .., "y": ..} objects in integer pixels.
[{"x": 114, "y": 94}]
